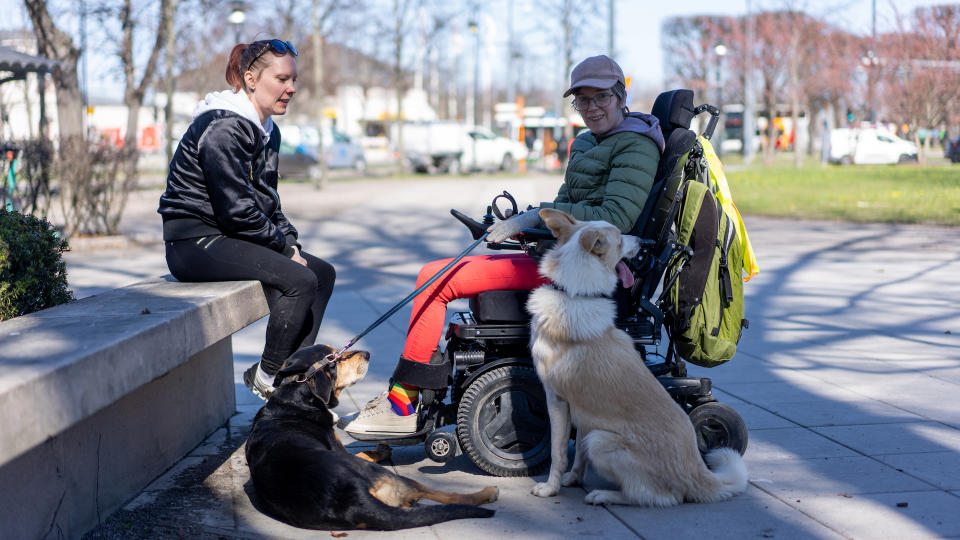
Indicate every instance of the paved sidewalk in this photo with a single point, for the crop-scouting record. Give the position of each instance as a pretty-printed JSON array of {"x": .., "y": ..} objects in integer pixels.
[{"x": 847, "y": 378}]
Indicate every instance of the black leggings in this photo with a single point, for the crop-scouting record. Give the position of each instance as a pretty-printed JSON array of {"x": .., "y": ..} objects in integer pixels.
[{"x": 297, "y": 294}]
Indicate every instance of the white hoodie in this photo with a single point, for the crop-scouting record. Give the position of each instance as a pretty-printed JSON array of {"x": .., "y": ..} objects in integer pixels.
[{"x": 236, "y": 102}]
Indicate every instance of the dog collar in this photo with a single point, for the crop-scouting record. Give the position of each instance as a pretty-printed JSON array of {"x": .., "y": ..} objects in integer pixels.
[{"x": 571, "y": 295}]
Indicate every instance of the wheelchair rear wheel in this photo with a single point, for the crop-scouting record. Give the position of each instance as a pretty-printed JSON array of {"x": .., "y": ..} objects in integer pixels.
[
  {"x": 718, "y": 426},
  {"x": 502, "y": 422}
]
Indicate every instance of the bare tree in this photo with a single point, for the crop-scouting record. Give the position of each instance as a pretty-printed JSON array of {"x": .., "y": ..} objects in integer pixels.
[
  {"x": 129, "y": 17},
  {"x": 770, "y": 28},
  {"x": 687, "y": 44},
  {"x": 401, "y": 25},
  {"x": 56, "y": 44},
  {"x": 921, "y": 79}
]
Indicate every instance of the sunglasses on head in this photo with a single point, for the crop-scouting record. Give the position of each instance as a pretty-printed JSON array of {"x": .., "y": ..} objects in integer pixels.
[{"x": 280, "y": 47}]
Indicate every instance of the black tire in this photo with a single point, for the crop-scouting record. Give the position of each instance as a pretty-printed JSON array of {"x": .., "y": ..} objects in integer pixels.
[
  {"x": 503, "y": 424},
  {"x": 441, "y": 446},
  {"x": 845, "y": 160},
  {"x": 507, "y": 163},
  {"x": 906, "y": 158},
  {"x": 454, "y": 166},
  {"x": 718, "y": 426}
]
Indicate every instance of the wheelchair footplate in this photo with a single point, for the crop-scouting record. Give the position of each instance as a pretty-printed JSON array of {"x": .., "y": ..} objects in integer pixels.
[
  {"x": 406, "y": 439},
  {"x": 430, "y": 421}
]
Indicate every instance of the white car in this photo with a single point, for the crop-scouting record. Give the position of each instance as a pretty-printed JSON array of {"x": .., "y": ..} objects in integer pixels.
[
  {"x": 492, "y": 151},
  {"x": 869, "y": 146},
  {"x": 454, "y": 147}
]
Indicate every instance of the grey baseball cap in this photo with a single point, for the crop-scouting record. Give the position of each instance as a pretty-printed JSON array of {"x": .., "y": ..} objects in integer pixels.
[{"x": 597, "y": 71}]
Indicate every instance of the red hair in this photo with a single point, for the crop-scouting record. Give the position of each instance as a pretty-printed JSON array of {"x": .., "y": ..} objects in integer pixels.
[{"x": 235, "y": 67}]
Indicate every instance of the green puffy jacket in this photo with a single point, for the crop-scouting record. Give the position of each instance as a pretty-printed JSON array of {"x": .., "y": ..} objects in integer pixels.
[{"x": 608, "y": 180}]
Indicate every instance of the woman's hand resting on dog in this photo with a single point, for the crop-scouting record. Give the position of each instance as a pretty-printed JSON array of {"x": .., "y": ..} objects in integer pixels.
[{"x": 510, "y": 227}]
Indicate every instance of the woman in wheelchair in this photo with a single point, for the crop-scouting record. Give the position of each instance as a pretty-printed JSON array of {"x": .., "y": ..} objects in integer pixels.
[{"x": 609, "y": 176}]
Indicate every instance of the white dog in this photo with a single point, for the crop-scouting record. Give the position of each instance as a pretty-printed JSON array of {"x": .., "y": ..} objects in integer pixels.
[{"x": 627, "y": 424}]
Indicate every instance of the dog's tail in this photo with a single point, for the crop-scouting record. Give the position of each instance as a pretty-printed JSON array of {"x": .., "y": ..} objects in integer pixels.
[
  {"x": 729, "y": 474},
  {"x": 421, "y": 516}
]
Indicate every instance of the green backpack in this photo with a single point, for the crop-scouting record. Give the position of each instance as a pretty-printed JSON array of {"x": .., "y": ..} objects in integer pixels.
[{"x": 704, "y": 301}]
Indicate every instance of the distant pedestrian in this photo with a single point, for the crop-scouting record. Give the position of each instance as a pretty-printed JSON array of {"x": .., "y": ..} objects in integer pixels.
[{"x": 221, "y": 212}]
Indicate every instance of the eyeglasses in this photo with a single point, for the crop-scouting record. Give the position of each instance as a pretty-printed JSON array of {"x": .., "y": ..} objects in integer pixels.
[
  {"x": 582, "y": 103},
  {"x": 281, "y": 47}
]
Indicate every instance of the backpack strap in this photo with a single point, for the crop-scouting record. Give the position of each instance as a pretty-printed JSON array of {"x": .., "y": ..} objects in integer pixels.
[{"x": 729, "y": 234}]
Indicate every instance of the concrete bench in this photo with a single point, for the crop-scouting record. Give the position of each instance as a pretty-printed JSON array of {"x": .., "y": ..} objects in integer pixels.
[{"x": 100, "y": 396}]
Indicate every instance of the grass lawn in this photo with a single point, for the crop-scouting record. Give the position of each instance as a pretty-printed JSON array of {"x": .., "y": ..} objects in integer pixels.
[{"x": 882, "y": 193}]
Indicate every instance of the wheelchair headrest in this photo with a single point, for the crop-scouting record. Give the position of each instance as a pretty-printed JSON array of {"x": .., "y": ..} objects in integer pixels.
[{"x": 674, "y": 109}]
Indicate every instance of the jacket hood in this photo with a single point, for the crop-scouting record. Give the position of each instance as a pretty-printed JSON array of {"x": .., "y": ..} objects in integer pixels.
[
  {"x": 235, "y": 102},
  {"x": 642, "y": 123}
]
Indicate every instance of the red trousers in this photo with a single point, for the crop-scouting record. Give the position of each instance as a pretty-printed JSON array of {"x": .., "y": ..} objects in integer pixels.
[{"x": 470, "y": 277}]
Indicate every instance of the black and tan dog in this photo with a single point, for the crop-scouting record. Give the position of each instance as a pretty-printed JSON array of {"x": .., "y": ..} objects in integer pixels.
[{"x": 304, "y": 476}]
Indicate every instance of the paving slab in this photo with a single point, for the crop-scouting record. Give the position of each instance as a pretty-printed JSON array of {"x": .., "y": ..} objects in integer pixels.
[{"x": 847, "y": 377}]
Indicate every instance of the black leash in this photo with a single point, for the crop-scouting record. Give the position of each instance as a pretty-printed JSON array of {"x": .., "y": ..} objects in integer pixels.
[{"x": 335, "y": 356}]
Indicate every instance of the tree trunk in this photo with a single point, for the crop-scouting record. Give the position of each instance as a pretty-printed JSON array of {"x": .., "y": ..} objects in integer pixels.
[
  {"x": 57, "y": 45},
  {"x": 170, "y": 80},
  {"x": 399, "y": 13},
  {"x": 317, "y": 41},
  {"x": 133, "y": 100}
]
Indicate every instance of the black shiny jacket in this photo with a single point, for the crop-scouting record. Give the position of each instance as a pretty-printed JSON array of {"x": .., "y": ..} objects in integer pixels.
[{"x": 223, "y": 180}]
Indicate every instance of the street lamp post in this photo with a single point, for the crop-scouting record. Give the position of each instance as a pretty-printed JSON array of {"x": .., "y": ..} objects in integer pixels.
[
  {"x": 475, "y": 30},
  {"x": 720, "y": 50},
  {"x": 238, "y": 16}
]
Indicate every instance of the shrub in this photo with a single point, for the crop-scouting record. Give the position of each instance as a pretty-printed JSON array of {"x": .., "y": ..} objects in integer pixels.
[{"x": 33, "y": 275}]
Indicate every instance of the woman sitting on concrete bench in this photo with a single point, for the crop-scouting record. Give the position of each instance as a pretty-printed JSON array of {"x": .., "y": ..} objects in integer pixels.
[{"x": 221, "y": 212}]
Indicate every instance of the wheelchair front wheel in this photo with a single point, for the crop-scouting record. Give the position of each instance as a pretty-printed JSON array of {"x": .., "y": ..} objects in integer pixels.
[
  {"x": 503, "y": 424},
  {"x": 718, "y": 426}
]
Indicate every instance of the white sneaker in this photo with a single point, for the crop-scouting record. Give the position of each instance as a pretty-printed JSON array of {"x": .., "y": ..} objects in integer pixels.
[
  {"x": 256, "y": 380},
  {"x": 377, "y": 418}
]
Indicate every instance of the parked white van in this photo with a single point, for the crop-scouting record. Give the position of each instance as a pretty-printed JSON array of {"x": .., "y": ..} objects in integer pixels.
[{"x": 869, "y": 146}]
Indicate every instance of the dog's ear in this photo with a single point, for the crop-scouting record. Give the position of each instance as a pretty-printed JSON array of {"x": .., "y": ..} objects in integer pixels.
[
  {"x": 322, "y": 385},
  {"x": 561, "y": 224},
  {"x": 594, "y": 241}
]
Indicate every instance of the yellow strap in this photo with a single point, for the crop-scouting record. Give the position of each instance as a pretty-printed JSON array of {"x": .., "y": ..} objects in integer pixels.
[{"x": 750, "y": 267}]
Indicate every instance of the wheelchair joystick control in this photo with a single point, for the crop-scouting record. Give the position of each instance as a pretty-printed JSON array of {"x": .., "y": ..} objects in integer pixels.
[{"x": 488, "y": 217}]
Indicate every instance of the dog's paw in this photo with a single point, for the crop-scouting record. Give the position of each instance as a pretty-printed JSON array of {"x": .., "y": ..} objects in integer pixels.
[
  {"x": 490, "y": 493},
  {"x": 603, "y": 496},
  {"x": 545, "y": 489},
  {"x": 571, "y": 479}
]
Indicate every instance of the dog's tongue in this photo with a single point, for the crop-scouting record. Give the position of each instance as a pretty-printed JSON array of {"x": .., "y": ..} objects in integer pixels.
[{"x": 625, "y": 275}]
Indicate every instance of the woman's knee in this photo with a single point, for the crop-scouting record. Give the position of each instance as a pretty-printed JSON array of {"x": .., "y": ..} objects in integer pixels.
[
  {"x": 301, "y": 281},
  {"x": 325, "y": 272}
]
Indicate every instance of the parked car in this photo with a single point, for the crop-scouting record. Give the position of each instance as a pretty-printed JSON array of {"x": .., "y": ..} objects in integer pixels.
[
  {"x": 454, "y": 147},
  {"x": 298, "y": 152},
  {"x": 296, "y": 162},
  {"x": 869, "y": 146}
]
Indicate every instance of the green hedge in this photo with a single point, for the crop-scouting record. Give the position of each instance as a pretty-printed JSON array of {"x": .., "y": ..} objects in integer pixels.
[{"x": 33, "y": 275}]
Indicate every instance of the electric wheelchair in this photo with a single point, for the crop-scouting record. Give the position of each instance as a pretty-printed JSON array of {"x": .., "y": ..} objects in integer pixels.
[{"x": 496, "y": 400}]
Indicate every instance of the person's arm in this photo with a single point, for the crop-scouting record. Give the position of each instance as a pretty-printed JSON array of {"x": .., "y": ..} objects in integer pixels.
[
  {"x": 279, "y": 219},
  {"x": 633, "y": 166},
  {"x": 226, "y": 158}
]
